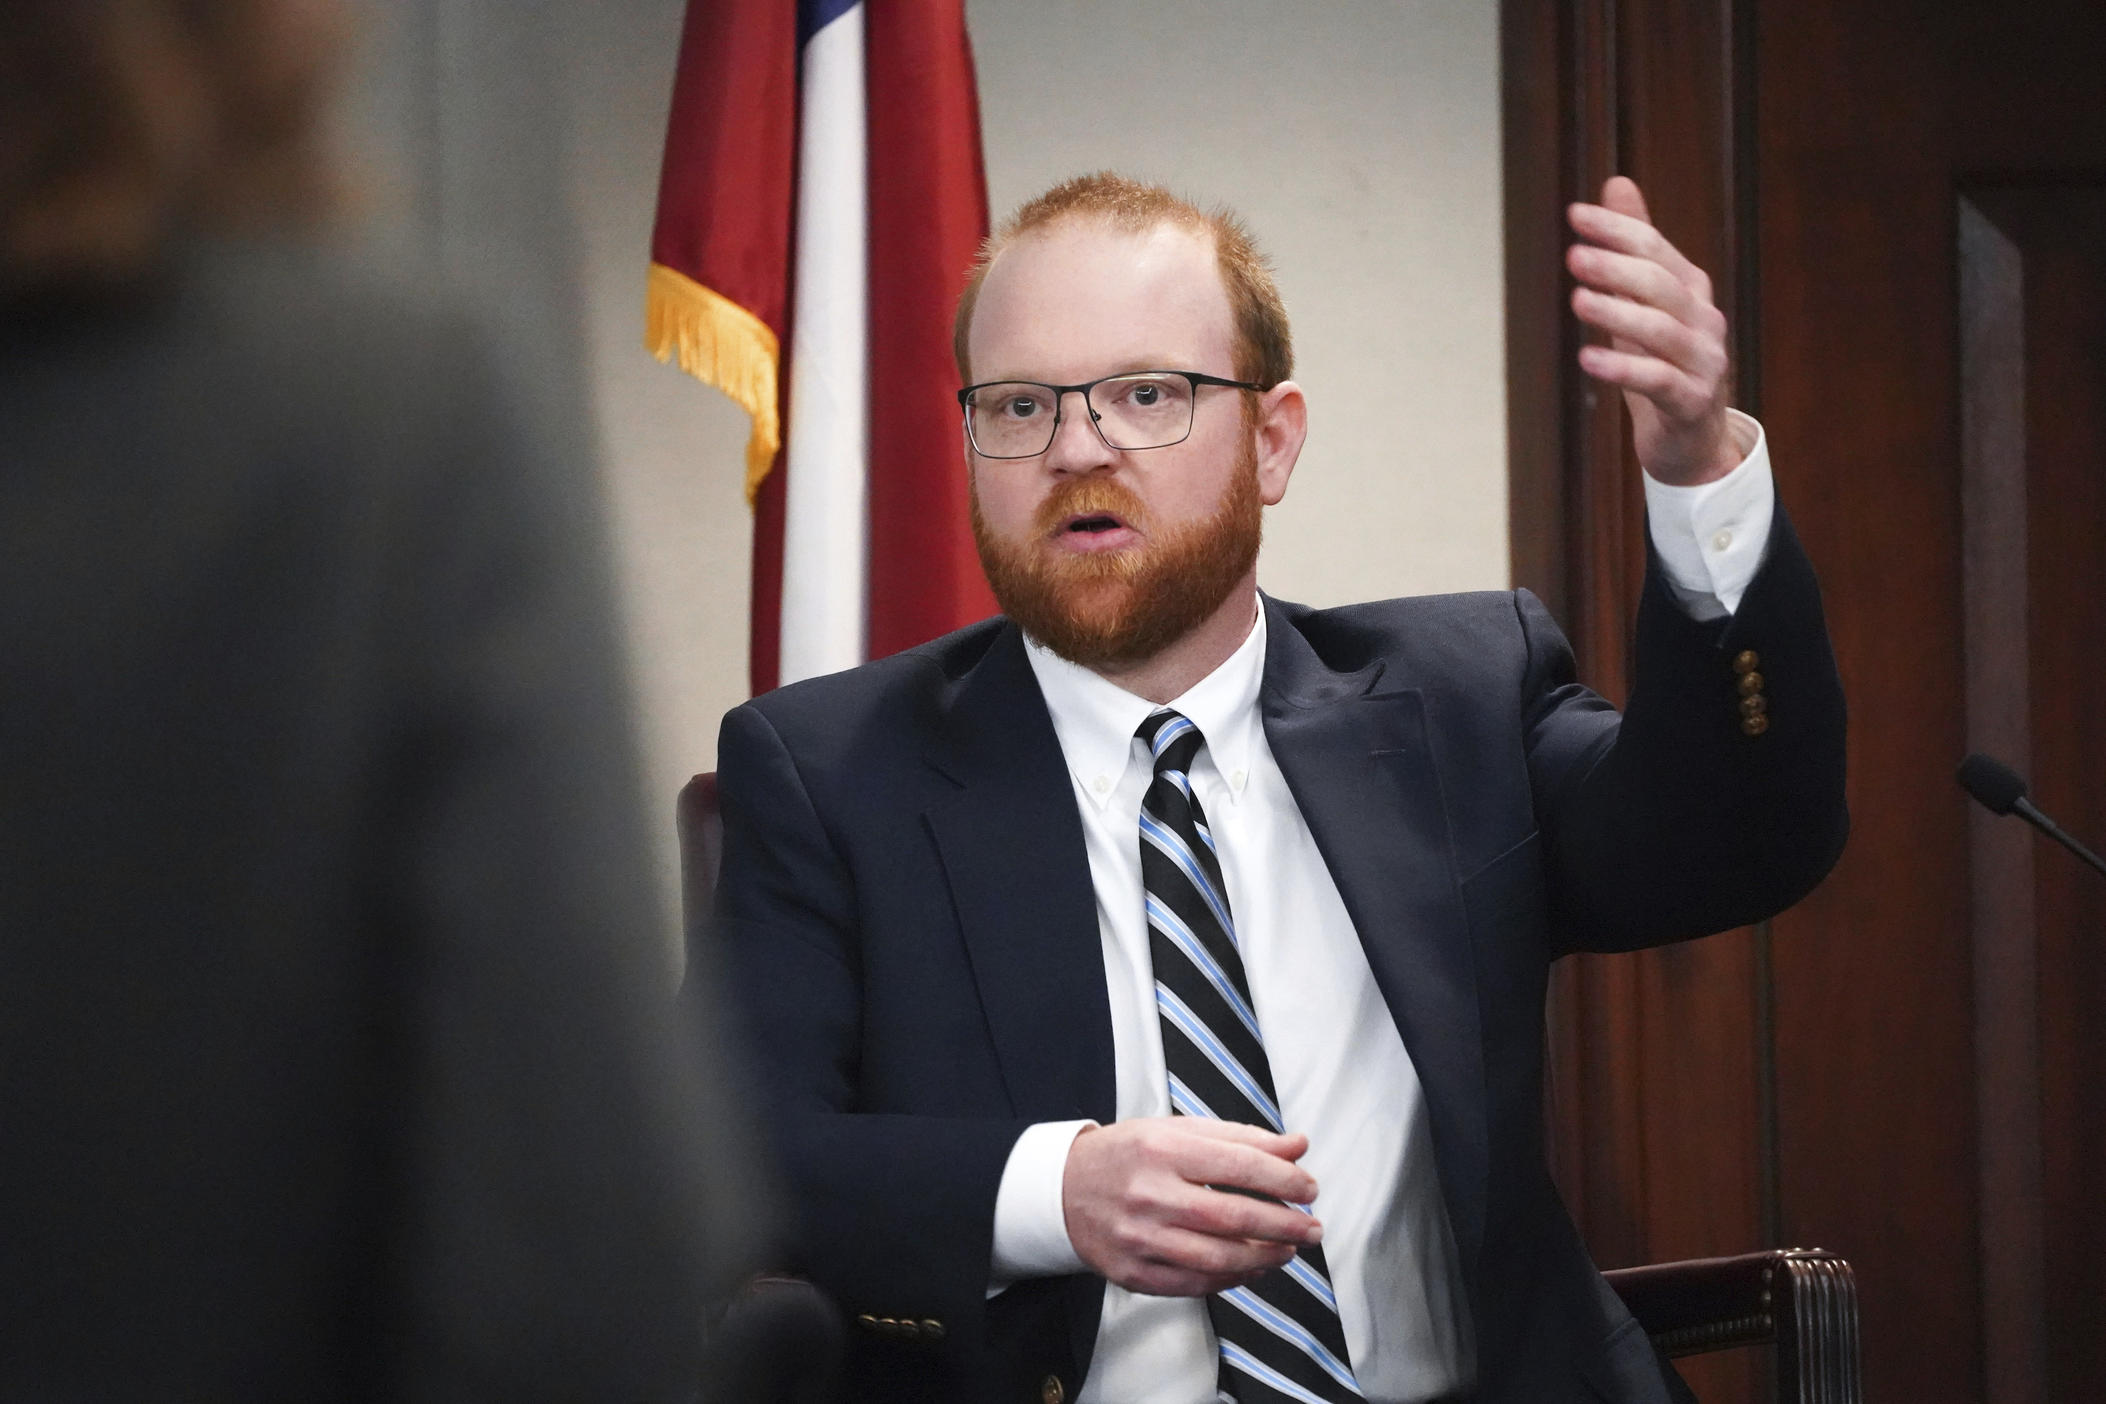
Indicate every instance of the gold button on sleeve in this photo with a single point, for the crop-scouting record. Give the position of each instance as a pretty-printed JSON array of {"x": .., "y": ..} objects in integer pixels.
[
  {"x": 1755, "y": 725},
  {"x": 1754, "y": 706},
  {"x": 1746, "y": 661},
  {"x": 1749, "y": 684},
  {"x": 1051, "y": 1390}
]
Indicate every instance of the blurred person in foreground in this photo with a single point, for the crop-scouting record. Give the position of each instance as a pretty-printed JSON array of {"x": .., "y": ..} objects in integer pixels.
[{"x": 336, "y": 1058}]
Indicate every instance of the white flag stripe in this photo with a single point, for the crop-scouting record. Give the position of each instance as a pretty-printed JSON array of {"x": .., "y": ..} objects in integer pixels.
[{"x": 825, "y": 504}]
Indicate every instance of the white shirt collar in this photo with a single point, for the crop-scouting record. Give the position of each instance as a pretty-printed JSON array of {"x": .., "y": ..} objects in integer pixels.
[{"x": 1095, "y": 719}]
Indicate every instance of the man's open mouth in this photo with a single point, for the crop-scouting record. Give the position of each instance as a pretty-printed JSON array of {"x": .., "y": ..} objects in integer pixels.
[{"x": 1094, "y": 524}]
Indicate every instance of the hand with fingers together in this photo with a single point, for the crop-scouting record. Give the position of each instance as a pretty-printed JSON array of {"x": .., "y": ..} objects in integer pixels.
[
  {"x": 1667, "y": 340},
  {"x": 1181, "y": 1206}
]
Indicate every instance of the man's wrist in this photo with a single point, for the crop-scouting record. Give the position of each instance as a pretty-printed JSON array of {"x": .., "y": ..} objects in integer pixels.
[{"x": 1711, "y": 536}]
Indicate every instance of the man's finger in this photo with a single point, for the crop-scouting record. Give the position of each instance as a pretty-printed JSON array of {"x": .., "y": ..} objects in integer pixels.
[
  {"x": 1239, "y": 1216},
  {"x": 1169, "y": 1270},
  {"x": 1215, "y": 1255},
  {"x": 1621, "y": 232},
  {"x": 1288, "y": 1145},
  {"x": 1649, "y": 330},
  {"x": 1639, "y": 279},
  {"x": 1213, "y": 1162},
  {"x": 1621, "y": 194},
  {"x": 1182, "y": 1264},
  {"x": 1674, "y": 390}
]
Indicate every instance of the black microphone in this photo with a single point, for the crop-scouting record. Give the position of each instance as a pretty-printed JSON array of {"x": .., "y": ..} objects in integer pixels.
[{"x": 1998, "y": 789}]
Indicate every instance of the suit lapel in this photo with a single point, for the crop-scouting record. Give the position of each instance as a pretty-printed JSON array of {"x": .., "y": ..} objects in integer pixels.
[
  {"x": 1012, "y": 849},
  {"x": 1357, "y": 759}
]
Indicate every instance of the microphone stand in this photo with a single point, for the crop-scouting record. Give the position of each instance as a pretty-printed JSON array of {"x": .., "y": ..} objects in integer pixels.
[
  {"x": 1999, "y": 789},
  {"x": 2026, "y": 810}
]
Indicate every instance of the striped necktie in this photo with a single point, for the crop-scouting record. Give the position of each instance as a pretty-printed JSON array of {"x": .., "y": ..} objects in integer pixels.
[{"x": 1280, "y": 1337}]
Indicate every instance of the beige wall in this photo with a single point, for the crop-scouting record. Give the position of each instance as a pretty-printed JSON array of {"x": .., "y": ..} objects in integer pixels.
[
  {"x": 1360, "y": 140},
  {"x": 1358, "y": 137}
]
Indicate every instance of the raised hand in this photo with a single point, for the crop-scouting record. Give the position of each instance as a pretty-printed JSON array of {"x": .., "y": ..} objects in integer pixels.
[
  {"x": 1140, "y": 1211},
  {"x": 1667, "y": 341}
]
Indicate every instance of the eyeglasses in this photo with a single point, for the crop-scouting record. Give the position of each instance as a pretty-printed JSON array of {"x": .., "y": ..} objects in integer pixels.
[{"x": 1138, "y": 410}]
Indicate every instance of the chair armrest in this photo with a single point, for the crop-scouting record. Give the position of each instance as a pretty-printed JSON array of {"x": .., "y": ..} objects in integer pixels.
[
  {"x": 1803, "y": 1300},
  {"x": 701, "y": 827},
  {"x": 779, "y": 1341}
]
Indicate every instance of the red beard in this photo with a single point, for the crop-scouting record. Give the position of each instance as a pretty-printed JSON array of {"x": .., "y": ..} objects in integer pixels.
[{"x": 1113, "y": 609}]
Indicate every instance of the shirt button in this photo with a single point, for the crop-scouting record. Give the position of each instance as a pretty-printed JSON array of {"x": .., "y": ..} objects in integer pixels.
[
  {"x": 1101, "y": 784},
  {"x": 1236, "y": 780},
  {"x": 1721, "y": 541}
]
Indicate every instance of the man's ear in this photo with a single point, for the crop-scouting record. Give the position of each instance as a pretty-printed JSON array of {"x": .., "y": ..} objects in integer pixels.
[{"x": 1283, "y": 423}]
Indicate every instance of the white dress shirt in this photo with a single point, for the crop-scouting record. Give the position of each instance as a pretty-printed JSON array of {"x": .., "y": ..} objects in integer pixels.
[{"x": 1338, "y": 1063}]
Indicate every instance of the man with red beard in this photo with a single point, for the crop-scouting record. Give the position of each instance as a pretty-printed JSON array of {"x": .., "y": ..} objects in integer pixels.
[{"x": 1149, "y": 983}]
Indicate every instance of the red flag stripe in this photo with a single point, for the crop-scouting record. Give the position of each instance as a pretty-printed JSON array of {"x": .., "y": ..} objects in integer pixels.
[
  {"x": 928, "y": 214},
  {"x": 724, "y": 191}
]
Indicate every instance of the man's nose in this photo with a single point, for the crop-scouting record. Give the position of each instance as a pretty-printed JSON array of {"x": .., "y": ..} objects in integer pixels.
[{"x": 1077, "y": 447}]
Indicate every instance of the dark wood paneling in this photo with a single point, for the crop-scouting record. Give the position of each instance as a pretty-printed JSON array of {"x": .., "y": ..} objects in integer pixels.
[
  {"x": 1532, "y": 148},
  {"x": 1873, "y": 974},
  {"x": 2061, "y": 230},
  {"x": 1893, "y": 1073},
  {"x": 2000, "y": 853},
  {"x": 1897, "y": 1106},
  {"x": 1659, "y": 1062}
]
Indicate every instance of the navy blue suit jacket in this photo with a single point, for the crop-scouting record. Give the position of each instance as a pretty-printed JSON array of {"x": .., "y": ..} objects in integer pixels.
[{"x": 908, "y": 908}]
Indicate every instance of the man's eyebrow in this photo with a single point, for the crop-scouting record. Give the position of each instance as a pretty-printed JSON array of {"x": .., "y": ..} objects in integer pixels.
[{"x": 1147, "y": 363}]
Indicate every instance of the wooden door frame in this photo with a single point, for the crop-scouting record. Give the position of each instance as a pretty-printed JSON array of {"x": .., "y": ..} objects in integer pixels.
[{"x": 1590, "y": 88}]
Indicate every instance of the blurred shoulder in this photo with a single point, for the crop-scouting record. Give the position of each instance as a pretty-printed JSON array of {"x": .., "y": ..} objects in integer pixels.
[
  {"x": 334, "y": 322},
  {"x": 250, "y": 347}
]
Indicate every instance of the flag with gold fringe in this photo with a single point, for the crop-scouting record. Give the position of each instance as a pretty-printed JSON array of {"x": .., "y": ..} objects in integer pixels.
[{"x": 821, "y": 198}]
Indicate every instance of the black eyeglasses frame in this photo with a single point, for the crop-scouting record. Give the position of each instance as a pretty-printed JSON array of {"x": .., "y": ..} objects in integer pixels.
[{"x": 1060, "y": 400}]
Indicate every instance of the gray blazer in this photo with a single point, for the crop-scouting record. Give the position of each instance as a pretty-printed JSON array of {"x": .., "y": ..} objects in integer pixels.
[{"x": 332, "y": 1063}]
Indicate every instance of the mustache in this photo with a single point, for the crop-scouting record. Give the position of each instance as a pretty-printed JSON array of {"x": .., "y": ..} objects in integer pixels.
[{"x": 1083, "y": 497}]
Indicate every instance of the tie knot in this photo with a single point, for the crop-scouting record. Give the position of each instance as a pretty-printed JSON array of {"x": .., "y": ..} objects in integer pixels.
[{"x": 1172, "y": 738}]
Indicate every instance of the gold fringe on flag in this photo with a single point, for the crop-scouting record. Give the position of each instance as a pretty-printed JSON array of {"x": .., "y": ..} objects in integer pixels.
[{"x": 719, "y": 343}]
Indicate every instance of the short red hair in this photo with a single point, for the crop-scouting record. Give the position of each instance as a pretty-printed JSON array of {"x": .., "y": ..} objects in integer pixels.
[{"x": 1264, "y": 345}]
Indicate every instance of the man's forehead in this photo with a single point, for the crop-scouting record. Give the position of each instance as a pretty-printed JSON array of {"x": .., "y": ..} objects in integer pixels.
[{"x": 1082, "y": 293}]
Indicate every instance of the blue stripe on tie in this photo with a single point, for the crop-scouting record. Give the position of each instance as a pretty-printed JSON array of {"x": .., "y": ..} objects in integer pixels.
[
  {"x": 1185, "y": 1100},
  {"x": 1184, "y": 787},
  {"x": 1175, "y": 849},
  {"x": 1172, "y": 729},
  {"x": 1312, "y": 1281},
  {"x": 1225, "y": 1063},
  {"x": 1291, "y": 1331},
  {"x": 1239, "y": 1358},
  {"x": 1180, "y": 936}
]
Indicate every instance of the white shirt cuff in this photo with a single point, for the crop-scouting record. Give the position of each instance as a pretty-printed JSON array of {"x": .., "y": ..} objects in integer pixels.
[
  {"x": 1030, "y": 1226},
  {"x": 1711, "y": 537}
]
